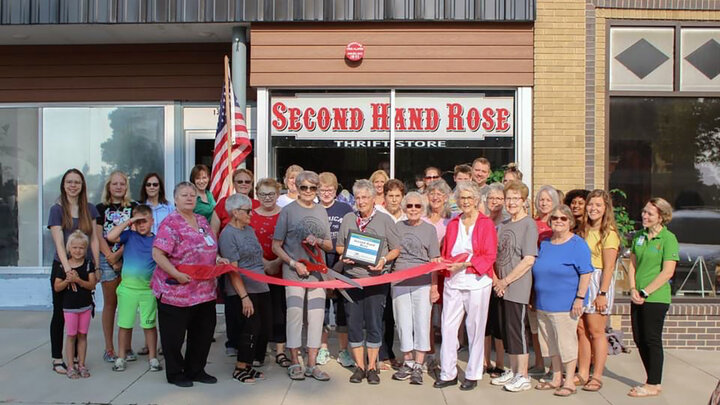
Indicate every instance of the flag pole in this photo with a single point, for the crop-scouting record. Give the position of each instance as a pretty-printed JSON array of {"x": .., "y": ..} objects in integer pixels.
[{"x": 229, "y": 118}]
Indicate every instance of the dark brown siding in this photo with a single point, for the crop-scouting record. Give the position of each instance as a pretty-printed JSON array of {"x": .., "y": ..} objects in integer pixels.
[
  {"x": 115, "y": 73},
  {"x": 400, "y": 54}
]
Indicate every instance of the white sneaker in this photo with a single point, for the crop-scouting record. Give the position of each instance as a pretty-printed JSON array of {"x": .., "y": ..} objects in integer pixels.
[
  {"x": 155, "y": 365},
  {"x": 518, "y": 383},
  {"x": 119, "y": 364},
  {"x": 503, "y": 379}
]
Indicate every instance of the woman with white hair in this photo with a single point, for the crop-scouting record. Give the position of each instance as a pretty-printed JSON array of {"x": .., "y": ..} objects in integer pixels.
[
  {"x": 467, "y": 287},
  {"x": 411, "y": 298},
  {"x": 301, "y": 228},
  {"x": 366, "y": 310}
]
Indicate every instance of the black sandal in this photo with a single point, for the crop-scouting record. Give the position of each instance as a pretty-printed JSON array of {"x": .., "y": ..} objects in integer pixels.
[
  {"x": 282, "y": 360},
  {"x": 243, "y": 375},
  {"x": 59, "y": 367},
  {"x": 256, "y": 375}
]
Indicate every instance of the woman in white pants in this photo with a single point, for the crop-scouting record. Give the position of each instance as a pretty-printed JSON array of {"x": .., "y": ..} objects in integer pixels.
[
  {"x": 413, "y": 298},
  {"x": 467, "y": 286}
]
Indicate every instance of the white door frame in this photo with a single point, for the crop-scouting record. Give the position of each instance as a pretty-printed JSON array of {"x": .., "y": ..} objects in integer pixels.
[{"x": 191, "y": 136}]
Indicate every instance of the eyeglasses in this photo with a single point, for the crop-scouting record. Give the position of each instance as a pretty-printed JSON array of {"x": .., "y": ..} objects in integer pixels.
[
  {"x": 408, "y": 206},
  {"x": 555, "y": 218},
  {"x": 245, "y": 210},
  {"x": 431, "y": 177},
  {"x": 306, "y": 188},
  {"x": 513, "y": 199},
  {"x": 326, "y": 190},
  {"x": 496, "y": 198},
  {"x": 243, "y": 181},
  {"x": 266, "y": 195},
  {"x": 148, "y": 184}
]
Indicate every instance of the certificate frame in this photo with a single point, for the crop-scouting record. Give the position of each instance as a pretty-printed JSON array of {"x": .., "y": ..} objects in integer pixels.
[{"x": 363, "y": 248}]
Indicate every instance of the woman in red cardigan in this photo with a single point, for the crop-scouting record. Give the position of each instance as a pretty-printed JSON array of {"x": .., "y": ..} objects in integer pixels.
[{"x": 468, "y": 285}]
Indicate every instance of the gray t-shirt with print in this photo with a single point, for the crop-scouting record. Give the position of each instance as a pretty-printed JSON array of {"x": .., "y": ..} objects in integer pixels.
[
  {"x": 242, "y": 246},
  {"x": 294, "y": 224},
  {"x": 381, "y": 225},
  {"x": 515, "y": 241},
  {"x": 418, "y": 244}
]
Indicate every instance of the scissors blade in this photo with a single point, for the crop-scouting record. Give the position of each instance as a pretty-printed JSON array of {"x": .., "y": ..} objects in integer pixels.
[
  {"x": 344, "y": 279},
  {"x": 327, "y": 277}
]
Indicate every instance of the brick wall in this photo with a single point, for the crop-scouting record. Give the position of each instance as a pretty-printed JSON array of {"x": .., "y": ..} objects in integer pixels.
[{"x": 687, "y": 326}]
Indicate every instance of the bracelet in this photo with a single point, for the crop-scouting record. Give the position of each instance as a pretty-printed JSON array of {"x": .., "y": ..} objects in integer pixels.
[
  {"x": 292, "y": 263},
  {"x": 577, "y": 297},
  {"x": 243, "y": 297},
  {"x": 384, "y": 259}
]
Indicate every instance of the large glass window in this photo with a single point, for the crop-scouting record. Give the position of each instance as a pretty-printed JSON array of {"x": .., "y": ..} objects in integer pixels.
[
  {"x": 98, "y": 140},
  {"x": 670, "y": 148},
  {"x": 19, "y": 219}
]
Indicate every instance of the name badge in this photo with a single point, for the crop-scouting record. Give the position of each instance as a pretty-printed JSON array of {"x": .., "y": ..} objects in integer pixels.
[
  {"x": 208, "y": 239},
  {"x": 640, "y": 241}
]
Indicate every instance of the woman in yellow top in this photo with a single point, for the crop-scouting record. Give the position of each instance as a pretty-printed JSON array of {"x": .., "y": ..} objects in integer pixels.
[{"x": 600, "y": 232}]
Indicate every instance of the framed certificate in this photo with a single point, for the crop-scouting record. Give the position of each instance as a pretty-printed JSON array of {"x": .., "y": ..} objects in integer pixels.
[{"x": 363, "y": 248}]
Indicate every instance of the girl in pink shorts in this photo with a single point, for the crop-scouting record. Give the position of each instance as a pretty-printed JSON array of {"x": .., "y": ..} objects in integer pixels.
[{"x": 76, "y": 288}]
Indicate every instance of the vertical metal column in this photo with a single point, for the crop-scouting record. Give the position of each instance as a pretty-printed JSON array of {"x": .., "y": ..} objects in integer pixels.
[{"x": 239, "y": 66}]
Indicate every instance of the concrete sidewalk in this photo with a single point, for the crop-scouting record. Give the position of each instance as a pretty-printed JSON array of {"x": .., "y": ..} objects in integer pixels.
[{"x": 26, "y": 377}]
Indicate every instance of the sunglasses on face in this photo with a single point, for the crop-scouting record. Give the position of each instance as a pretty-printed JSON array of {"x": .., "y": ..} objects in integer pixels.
[
  {"x": 149, "y": 184},
  {"x": 243, "y": 181},
  {"x": 431, "y": 177},
  {"x": 418, "y": 206},
  {"x": 266, "y": 195},
  {"x": 555, "y": 218},
  {"x": 306, "y": 188}
]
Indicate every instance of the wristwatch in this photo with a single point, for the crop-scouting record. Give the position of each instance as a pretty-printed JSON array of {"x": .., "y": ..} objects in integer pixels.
[
  {"x": 643, "y": 293},
  {"x": 602, "y": 293}
]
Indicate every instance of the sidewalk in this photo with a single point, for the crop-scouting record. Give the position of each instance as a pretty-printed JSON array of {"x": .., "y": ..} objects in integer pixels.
[{"x": 26, "y": 377}]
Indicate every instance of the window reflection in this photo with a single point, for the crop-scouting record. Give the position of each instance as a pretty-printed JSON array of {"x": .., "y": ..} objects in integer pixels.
[{"x": 98, "y": 140}]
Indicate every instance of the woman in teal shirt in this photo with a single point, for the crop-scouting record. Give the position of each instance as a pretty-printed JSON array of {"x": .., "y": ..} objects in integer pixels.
[
  {"x": 652, "y": 264},
  {"x": 200, "y": 177}
]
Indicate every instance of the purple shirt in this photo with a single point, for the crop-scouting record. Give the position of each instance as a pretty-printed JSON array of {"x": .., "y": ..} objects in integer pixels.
[{"x": 184, "y": 245}]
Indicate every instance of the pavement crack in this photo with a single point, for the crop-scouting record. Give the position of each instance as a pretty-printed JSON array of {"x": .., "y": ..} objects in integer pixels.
[
  {"x": 129, "y": 385},
  {"x": 692, "y": 365},
  {"x": 24, "y": 353}
]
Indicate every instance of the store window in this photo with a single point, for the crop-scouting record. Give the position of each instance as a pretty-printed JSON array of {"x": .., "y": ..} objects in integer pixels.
[
  {"x": 19, "y": 216},
  {"x": 349, "y": 133},
  {"x": 670, "y": 148},
  {"x": 98, "y": 140}
]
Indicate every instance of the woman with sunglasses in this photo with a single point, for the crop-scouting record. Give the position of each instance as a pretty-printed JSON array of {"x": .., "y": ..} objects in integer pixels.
[
  {"x": 412, "y": 299},
  {"x": 561, "y": 276},
  {"x": 152, "y": 194},
  {"x": 303, "y": 233},
  {"x": 431, "y": 174},
  {"x": 242, "y": 180}
]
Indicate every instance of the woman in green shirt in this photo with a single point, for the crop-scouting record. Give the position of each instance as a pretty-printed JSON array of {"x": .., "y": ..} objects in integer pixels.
[
  {"x": 652, "y": 264},
  {"x": 200, "y": 177}
]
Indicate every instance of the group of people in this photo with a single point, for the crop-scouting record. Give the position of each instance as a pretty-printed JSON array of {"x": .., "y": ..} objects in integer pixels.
[{"x": 516, "y": 281}]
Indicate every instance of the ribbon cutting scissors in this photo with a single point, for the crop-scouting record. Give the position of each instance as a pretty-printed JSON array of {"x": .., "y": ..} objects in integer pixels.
[{"x": 327, "y": 274}]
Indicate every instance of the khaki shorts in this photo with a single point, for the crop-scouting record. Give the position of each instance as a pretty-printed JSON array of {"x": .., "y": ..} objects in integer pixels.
[
  {"x": 532, "y": 321},
  {"x": 558, "y": 335}
]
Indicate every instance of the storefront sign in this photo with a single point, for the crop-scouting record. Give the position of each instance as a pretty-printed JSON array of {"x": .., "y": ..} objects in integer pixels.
[
  {"x": 431, "y": 116},
  {"x": 354, "y": 51}
]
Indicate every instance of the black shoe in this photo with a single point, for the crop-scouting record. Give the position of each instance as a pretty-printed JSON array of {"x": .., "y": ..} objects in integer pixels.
[
  {"x": 468, "y": 385},
  {"x": 357, "y": 375},
  {"x": 181, "y": 382},
  {"x": 442, "y": 384},
  {"x": 373, "y": 377},
  {"x": 204, "y": 378}
]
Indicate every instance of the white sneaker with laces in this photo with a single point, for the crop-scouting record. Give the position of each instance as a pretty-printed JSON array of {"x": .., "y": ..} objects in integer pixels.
[
  {"x": 155, "y": 365},
  {"x": 119, "y": 364},
  {"x": 503, "y": 379},
  {"x": 518, "y": 383}
]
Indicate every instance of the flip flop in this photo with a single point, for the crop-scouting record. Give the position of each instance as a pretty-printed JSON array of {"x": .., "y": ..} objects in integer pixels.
[
  {"x": 642, "y": 392},
  {"x": 60, "y": 368},
  {"x": 579, "y": 381},
  {"x": 592, "y": 385},
  {"x": 564, "y": 392},
  {"x": 546, "y": 386}
]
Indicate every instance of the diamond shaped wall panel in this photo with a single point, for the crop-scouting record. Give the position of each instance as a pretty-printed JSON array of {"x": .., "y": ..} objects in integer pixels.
[
  {"x": 641, "y": 59},
  {"x": 700, "y": 64}
]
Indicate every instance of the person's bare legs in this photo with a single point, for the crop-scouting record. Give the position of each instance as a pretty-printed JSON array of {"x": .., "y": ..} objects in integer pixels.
[
  {"x": 373, "y": 353},
  {"x": 81, "y": 348},
  {"x": 70, "y": 350},
  {"x": 539, "y": 361},
  {"x": 358, "y": 354},
  {"x": 312, "y": 356},
  {"x": 499, "y": 354},
  {"x": 108, "y": 312},
  {"x": 595, "y": 330},
  {"x": 123, "y": 341},
  {"x": 151, "y": 341}
]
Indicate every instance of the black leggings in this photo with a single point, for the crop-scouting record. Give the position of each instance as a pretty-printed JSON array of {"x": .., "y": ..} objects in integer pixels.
[
  {"x": 57, "y": 323},
  {"x": 278, "y": 313},
  {"x": 647, "y": 326},
  {"x": 253, "y": 331}
]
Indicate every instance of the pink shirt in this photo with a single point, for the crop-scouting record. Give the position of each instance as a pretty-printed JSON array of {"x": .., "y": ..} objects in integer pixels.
[
  {"x": 184, "y": 245},
  {"x": 440, "y": 226}
]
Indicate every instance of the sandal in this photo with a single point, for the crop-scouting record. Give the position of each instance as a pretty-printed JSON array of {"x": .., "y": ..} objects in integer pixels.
[
  {"x": 316, "y": 373},
  {"x": 282, "y": 360},
  {"x": 546, "y": 386},
  {"x": 579, "y": 381},
  {"x": 495, "y": 372},
  {"x": 641, "y": 392},
  {"x": 295, "y": 372},
  {"x": 59, "y": 367},
  {"x": 243, "y": 375},
  {"x": 257, "y": 375},
  {"x": 84, "y": 373},
  {"x": 592, "y": 385},
  {"x": 564, "y": 392},
  {"x": 73, "y": 374}
]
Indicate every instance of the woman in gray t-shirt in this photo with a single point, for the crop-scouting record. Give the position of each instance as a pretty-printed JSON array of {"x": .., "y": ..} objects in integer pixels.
[{"x": 303, "y": 222}]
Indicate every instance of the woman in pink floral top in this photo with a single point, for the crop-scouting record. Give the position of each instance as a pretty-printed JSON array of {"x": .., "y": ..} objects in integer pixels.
[{"x": 185, "y": 306}]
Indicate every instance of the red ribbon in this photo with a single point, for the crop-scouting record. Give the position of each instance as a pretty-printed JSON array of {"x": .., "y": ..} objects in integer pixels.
[{"x": 208, "y": 272}]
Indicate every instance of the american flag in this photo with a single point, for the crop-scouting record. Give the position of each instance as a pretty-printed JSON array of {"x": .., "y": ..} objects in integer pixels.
[{"x": 231, "y": 133}]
